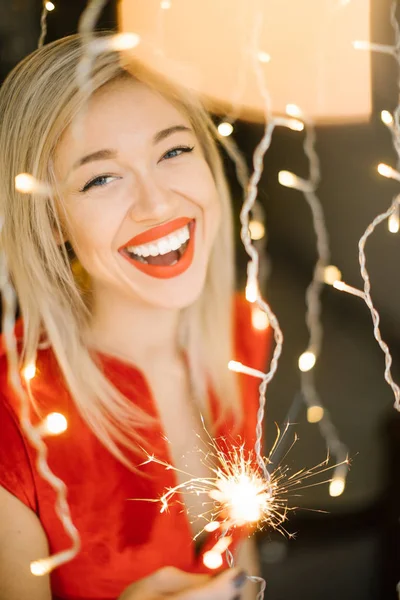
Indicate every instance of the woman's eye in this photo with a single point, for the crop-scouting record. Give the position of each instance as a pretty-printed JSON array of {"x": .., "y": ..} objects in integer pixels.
[
  {"x": 99, "y": 181},
  {"x": 177, "y": 151}
]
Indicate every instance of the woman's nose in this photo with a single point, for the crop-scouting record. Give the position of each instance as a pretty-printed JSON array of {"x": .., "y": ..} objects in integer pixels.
[{"x": 152, "y": 201}]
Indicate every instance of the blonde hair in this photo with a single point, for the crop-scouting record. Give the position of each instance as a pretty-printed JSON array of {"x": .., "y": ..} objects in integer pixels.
[{"x": 38, "y": 100}]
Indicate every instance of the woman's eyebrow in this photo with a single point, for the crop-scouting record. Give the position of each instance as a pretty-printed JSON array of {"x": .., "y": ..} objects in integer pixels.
[
  {"x": 108, "y": 154},
  {"x": 161, "y": 135}
]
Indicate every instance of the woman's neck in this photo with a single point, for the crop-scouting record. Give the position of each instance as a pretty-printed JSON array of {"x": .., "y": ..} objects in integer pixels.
[{"x": 139, "y": 332}]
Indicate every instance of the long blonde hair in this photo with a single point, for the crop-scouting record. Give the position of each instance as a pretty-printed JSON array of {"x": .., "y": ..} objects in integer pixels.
[{"x": 38, "y": 100}]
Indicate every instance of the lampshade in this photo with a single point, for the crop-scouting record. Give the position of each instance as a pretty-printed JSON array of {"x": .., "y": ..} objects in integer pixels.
[{"x": 209, "y": 46}]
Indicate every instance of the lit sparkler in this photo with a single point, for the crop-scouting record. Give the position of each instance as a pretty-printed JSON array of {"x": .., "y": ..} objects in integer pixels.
[{"x": 237, "y": 494}]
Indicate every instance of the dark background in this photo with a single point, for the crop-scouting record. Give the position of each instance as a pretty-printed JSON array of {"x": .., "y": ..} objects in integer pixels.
[{"x": 352, "y": 550}]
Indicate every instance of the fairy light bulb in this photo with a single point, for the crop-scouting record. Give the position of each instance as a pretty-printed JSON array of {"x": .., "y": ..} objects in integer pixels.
[
  {"x": 165, "y": 4},
  {"x": 49, "y": 6},
  {"x": 394, "y": 223},
  {"x": 124, "y": 41},
  {"x": 212, "y": 526},
  {"x": 331, "y": 274},
  {"x": 361, "y": 45},
  {"x": 55, "y": 423},
  {"x": 41, "y": 567},
  {"x": 257, "y": 230},
  {"x": 251, "y": 291},
  {"x": 315, "y": 414},
  {"x": 288, "y": 179},
  {"x": 225, "y": 129},
  {"x": 212, "y": 560},
  {"x": 25, "y": 183},
  {"x": 264, "y": 57},
  {"x": 385, "y": 170},
  {"x": 294, "y": 111},
  {"x": 29, "y": 371},
  {"x": 337, "y": 486},
  {"x": 307, "y": 361},
  {"x": 386, "y": 117},
  {"x": 295, "y": 124},
  {"x": 259, "y": 319}
]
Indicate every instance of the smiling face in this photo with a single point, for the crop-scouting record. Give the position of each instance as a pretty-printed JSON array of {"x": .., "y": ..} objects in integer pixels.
[{"x": 140, "y": 202}]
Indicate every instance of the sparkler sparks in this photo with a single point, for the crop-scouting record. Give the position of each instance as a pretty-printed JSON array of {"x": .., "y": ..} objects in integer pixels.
[{"x": 237, "y": 494}]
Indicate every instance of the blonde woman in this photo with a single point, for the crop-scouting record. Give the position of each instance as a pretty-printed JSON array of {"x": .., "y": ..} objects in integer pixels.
[{"x": 133, "y": 352}]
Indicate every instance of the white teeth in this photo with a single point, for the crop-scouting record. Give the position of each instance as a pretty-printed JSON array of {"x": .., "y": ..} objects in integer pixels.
[{"x": 163, "y": 245}]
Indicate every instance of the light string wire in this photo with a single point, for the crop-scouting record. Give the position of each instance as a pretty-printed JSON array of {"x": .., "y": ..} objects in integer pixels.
[
  {"x": 33, "y": 433},
  {"x": 386, "y": 171},
  {"x": 315, "y": 288},
  {"x": 43, "y": 24}
]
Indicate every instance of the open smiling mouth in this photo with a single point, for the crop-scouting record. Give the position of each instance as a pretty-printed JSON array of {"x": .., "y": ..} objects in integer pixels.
[{"x": 164, "y": 251}]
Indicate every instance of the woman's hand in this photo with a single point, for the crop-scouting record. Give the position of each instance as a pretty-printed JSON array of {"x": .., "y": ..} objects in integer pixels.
[{"x": 174, "y": 584}]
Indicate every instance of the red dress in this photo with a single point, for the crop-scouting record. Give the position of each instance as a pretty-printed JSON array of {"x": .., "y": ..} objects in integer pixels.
[{"x": 122, "y": 540}]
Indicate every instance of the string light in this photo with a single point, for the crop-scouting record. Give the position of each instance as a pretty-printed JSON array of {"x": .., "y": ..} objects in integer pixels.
[
  {"x": 257, "y": 230},
  {"x": 27, "y": 184},
  {"x": 307, "y": 361},
  {"x": 259, "y": 319},
  {"x": 49, "y": 6},
  {"x": 238, "y": 367},
  {"x": 54, "y": 424},
  {"x": 331, "y": 274},
  {"x": 364, "y": 45},
  {"x": 386, "y": 117},
  {"x": 263, "y": 57},
  {"x": 388, "y": 172},
  {"x": 343, "y": 287},
  {"x": 315, "y": 413},
  {"x": 290, "y": 180},
  {"x": 165, "y": 4},
  {"x": 29, "y": 371},
  {"x": 225, "y": 129},
  {"x": 394, "y": 219}
]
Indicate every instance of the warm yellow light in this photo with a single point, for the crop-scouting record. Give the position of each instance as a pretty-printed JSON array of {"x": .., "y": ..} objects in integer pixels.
[
  {"x": 165, "y": 4},
  {"x": 386, "y": 117},
  {"x": 294, "y": 111},
  {"x": 307, "y": 361},
  {"x": 212, "y": 560},
  {"x": 259, "y": 319},
  {"x": 49, "y": 6},
  {"x": 336, "y": 486},
  {"x": 257, "y": 230},
  {"x": 29, "y": 371},
  {"x": 124, "y": 41},
  {"x": 225, "y": 129},
  {"x": 55, "y": 423},
  {"x": 361, "y": 45},
  {"x": 339, "y": 285},
  {"x": 288, "y": 179},
  {"x": 41, "y": 567},
  {"x": 385, "y": 170},
  {"x": 394, "y": 223},
  {"x": 234, "y": 365},
  {"x": 295, "y": 125},
  {"x": 212, "y": 526},
  {"x": 314, "y": 414},
  {"x": 264, "y": 57},
  {"x": 25, "y": 183},
  {"x": 251, "y": 291},
  {"x": 332, "y": 274}
]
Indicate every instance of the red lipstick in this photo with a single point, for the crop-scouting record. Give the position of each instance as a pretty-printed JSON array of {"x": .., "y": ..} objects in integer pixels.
[
  {"x": 155, "y": 233},
  {"x": 163, "y": 271}
]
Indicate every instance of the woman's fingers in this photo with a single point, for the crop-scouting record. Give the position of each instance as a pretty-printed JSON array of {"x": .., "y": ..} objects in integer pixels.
[{"x": 226, "y": 586}]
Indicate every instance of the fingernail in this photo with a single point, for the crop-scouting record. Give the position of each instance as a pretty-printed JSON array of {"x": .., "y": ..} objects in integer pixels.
[{"x": 240, "y": 580}]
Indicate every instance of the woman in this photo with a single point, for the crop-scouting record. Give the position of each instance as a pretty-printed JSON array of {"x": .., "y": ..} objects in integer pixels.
[{"x": 137, "y": 354}]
